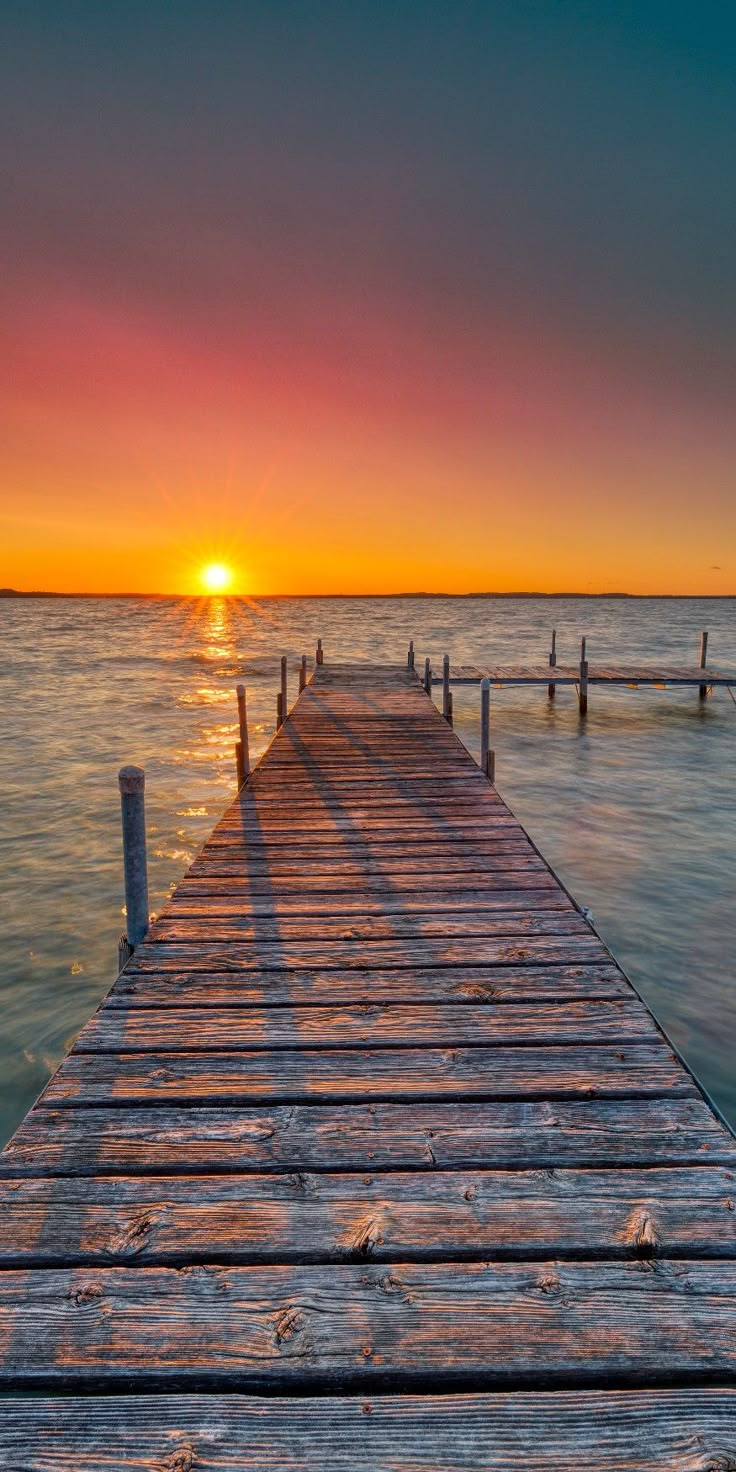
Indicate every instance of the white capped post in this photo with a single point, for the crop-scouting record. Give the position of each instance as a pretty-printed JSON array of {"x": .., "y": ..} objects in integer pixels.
[
  {"x": 243, "y": 725},
  {"x": 703, "y": 689},
  {"x": 485, "y": 722},
  {"x": 552, "y": 664},
  {"x": 446, "y": 687},
  {"x": 132, "y": 782}
]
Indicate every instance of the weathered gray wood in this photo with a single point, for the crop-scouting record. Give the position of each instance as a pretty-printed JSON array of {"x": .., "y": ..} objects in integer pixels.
[
  {"x": 640, "y": 1069},
  {"x": 339, "y": 988},
  {"x": 371, "y": 1137},
  {"x": 345, "y": 955},
  {"x": 189, "y": 929},
  {"x": 591, "y": 1431},
  {"x": 462, "y": 860},
  {"x": 501, "y": 1323},
  {"x": 190, "y": 1029},
  {"x": 424, "y": 1216},
  {"x": 223, "y": 901}
]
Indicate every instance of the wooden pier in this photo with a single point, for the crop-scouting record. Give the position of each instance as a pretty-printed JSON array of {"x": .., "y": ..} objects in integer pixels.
[{"x": 372, "y": 1158}]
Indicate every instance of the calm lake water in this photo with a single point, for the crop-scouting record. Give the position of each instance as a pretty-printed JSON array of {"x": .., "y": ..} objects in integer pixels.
[{"x": 634, "y": 808}]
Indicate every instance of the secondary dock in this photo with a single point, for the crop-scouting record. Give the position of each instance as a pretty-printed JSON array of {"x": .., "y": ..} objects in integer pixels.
[{"x": 372, "y": 1158}]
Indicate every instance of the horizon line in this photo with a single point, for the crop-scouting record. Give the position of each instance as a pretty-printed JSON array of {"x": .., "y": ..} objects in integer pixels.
[{"x": 10, "y": 593}]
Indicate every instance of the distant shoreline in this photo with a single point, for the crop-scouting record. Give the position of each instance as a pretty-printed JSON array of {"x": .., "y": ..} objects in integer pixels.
[{"x": 11, "y": 593}]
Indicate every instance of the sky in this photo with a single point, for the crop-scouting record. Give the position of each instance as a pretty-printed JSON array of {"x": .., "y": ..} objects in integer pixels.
[{"x": 368, "y": 297}]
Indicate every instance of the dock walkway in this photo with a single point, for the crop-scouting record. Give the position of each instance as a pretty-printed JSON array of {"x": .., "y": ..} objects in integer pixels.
[{"x": 372, "y": 1158}]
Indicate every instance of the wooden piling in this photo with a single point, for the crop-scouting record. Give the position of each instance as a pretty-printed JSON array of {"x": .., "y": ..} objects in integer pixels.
[
  {"x": 319, "y": 655},
  {"x": 428, "y": 676},
  {"x": 446, "y": 687},
  {"x": 552, "y": 662},
  {"x": 703, "y": 689},
  {"x": 284, "y": 695},
  {"x": 449, "y": 710},
  {"x": 410, "y": 656},
  {"x": 303, "y": 674},
  {"x": 583, "y": 686},
  {"x": 243, "y": 725},
  {"x": 279, "y": 710},
  {"x": 132, "y": 781},
  {"x": 490, "y": 767},
  {"x": 239, "y": 765},
  {"x": 485, "y": 722}
]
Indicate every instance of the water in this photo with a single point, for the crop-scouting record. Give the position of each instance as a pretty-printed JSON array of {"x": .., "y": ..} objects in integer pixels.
[{"x": 634, "y": 808}]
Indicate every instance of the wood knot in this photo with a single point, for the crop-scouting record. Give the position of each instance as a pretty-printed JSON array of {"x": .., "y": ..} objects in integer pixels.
[
  {"x": 720, "y": 1462},
  {"x": 182, "y": 1460},
  {"x": 133, "y": 1237},
  {"x": 88, "y": 1293},
  {"x": 364, "y": 1238},
  {"x": 471, "y": 1193},
  {"x": 550, "y": 1285},
  {"x": 288, "y": 1323},
  {"x": 641, "y": 1233}
]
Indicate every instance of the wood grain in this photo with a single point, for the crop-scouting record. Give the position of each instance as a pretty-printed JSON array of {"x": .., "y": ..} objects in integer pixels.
[
  {"x": 427, "y": 1216},
  {"x": 496, "y": 1324},
  {"x": 539, "y": 1133},
  {"x": 591, "y": 1431}
]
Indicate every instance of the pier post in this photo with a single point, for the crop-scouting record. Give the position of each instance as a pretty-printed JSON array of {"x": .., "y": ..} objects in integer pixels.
[
  {"x": 552, "y": 663},
  {"x": 284, "y": 696},
  {"x": 279, "y": 710},
  {"x": 446, "y": 687},
  {"x": 703, "y": 689},
  {"x": 428, "y": 676},
  {"x": 243, "y": 725},
  {"x": 410, "y": 656},
  {"x": 449, "y": 709},
  {"x": 132, "y": 781},
  {"x": 319, "y": 656},
  {"x": 485, "y": 722},
  {"x": 583, "y": 687},
  {"x": 303, "y": 674},
  {"x": 239, "y": 764}
]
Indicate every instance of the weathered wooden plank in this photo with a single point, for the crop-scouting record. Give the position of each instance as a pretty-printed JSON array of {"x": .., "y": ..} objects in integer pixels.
[
  {"x": 308, "y": 888},
  {"x": 189, "y": 1029},
  {"x": 371, "y": 1137},
  {"x": 338, "y": 988},
  {"x": 295, "y": 1075},
  {"x": 481, "y": 859},
  {"x": 496, "y": 1323},
  {"x": 591, "y": 1431},
  {"x": 473, "y": 925},
  {"x": 361, "y": 955},
  {"x": 224, "y": 899},
  {"x": 422, "y": 1216}
]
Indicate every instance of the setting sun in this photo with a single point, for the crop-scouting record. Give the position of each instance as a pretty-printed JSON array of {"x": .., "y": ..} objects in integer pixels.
[{"x": 216, "y": 577}]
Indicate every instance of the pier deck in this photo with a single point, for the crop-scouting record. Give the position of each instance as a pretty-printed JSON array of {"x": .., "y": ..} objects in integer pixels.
[{"x": 372, "y": 1158}]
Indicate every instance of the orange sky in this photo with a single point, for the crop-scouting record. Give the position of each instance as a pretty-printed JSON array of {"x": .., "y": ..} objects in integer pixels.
[{"x": 360, "y": 304}]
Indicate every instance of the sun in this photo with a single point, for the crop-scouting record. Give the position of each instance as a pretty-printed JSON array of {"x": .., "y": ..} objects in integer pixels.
[{"x": 216, "y": 577}]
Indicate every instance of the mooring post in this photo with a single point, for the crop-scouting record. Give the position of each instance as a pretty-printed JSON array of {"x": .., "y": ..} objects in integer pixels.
[
  {"x": 583, "y": 687},
  {"x": 703, "y": 689},
  {"x": 410, "y": 656},
  {"x": 485, "y": 722},
  {"x": 552, "y": 664},
  {"x": 319, "y": 656},
  {"x": 428, "y": 676},
  {"x": 284, "y": 696},
  {"x": 303, "y": 674},
  {"x": 132, "y": 782},
  {"x": 446, "y": 687},
  {"x": 449, "y": 709},
  {"x": 239, "y": 764},
  {"x": 243, "y": 725},
  {"x": 279, "y": 710}
]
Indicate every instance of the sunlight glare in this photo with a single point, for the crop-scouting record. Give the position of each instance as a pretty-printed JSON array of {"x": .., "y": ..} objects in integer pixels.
[{"x": 216, "y": 577}]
